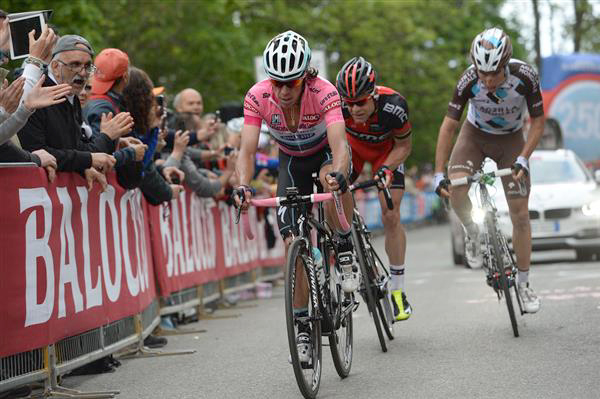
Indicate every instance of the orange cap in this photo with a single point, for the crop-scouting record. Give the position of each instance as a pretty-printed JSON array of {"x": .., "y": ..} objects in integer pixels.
[{"x": 111, "y": 65}]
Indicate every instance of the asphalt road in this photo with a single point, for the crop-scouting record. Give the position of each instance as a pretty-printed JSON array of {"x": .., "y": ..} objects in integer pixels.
[{"x": 457, "y": 344}]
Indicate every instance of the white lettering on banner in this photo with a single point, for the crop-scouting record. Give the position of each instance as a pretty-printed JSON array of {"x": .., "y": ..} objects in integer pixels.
[
  {"x": 189, "y": 262},
  {"x": 68, "y": 268},
  {"x": 178, "y": 259},
  {"x": 139, "y": 228},
  {"x": 203, "y": 244},
  {"x": 93, "y": 295},
  {"x": 37, "y": 313},
  {"x": 167, "y": 244},
  {"x": 236, "y": 249},
  {"x": 133, "y": 283},
  {"x": 108, "y": 198}
]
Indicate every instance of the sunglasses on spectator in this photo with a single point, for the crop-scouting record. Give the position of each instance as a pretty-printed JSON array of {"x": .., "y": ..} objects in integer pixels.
[
  {"x": 289, "y": 83},
  {"x": 77, "y": 67},
  {"x": 361, "y": 102}
]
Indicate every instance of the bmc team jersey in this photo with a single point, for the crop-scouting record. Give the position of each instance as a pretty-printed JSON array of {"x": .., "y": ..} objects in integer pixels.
[
  {"x": 374, "y": 139},
  {"x": 320, "y": 107},
  {"x": 501, "y": 111}
]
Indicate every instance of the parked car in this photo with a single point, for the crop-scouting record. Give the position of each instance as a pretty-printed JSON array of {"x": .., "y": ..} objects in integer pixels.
[{"x": 564, "y": 206}]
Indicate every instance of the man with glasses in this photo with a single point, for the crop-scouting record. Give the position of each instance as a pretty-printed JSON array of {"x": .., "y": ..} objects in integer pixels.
[
  {"x": 378, "y": 130},
  {"x": 57, "y": 128}
]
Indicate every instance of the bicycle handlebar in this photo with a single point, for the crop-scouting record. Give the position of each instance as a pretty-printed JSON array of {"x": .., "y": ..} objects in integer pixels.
[
  {"x": 371, "y": 183},
  {"x": 479, "y": 177},
  {"x": 313, "y": 199},
  {"x": 310, "y": 198}
]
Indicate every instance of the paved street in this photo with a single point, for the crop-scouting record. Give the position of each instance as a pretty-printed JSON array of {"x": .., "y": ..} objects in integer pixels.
[{"x": 458, "y": 344}]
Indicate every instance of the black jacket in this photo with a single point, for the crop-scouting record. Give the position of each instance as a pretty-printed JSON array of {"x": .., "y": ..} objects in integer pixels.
[
  {"x": 11, "y": 153},
  {"x": 57, "y": 129}
]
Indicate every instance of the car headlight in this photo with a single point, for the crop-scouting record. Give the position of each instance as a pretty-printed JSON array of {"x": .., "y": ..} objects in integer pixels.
[
  {"x": 478, "y": 215},
  {"x": 591, "y": 209}
]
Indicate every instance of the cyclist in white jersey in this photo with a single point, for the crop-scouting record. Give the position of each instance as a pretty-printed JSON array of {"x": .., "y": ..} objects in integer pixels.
[{"x": 499, "y": 90}]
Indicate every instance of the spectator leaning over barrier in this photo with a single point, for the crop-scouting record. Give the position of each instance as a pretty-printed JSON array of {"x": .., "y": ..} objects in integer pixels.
[
  {"x": 57, "y": 128},
  {"x": 203, "y": 182},
  {"x": 189, "y": 101},
  {"x": 106, "y": 100},
  {"x": 141, "y": 104},
  {"x": 19, "y": 100}
]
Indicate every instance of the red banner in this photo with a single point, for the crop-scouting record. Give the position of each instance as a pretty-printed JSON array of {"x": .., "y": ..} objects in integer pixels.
[
  {"x": 70, "y": 260},
  {"x": 195, "y": 240}
]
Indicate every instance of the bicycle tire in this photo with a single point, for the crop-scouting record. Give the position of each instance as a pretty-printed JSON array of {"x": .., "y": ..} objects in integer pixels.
[
  {"x": 340, "y": 343},
  {"x": 369, "y": 286},
  {"x": 498, "y": 256},
  {"x": 384, "y": 302},
  {"x": 309, "y": 388}
]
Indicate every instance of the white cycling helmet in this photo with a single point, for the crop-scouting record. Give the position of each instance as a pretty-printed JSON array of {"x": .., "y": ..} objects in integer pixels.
[
  {"x": 286, "y": 57},
  {"x": 491, "y": 50}
]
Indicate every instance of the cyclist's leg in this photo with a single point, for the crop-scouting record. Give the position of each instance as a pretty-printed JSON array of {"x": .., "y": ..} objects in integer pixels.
[
  {"x": 343, "y": 241},
  {"x": 466, "y": 157},
  {"x": 395, "y": 243},
  {"x": 517, "y": 197},
  {"x": 293, "y": 173}
]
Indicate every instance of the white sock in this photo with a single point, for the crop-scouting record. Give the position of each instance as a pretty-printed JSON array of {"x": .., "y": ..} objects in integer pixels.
[
  {"x": 522, "y": 277},
  {"x": 397, "y": 272}
]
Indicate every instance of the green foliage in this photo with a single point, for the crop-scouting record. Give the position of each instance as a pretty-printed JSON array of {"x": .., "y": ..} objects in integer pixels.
[{"x": 418, "y": 48}]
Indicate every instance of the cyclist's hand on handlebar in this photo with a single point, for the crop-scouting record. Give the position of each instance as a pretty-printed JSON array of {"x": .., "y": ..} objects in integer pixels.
[
  {"x": 520, "y": 168},
  {"x": 242, "y": 195},
  {"x": 337, "y": 181},
  {"x": 385, "y": 175},
  {"x": 441, "y": 185}
]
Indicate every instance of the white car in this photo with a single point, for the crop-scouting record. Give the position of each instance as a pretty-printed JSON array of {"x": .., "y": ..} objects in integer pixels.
[{"x": 564, "y": 206}]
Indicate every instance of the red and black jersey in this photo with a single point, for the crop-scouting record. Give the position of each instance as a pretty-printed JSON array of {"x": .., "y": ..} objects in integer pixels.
[{"x": 374, "y": 138}]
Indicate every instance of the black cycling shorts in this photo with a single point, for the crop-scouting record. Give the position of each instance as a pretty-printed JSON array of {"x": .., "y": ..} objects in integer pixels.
[{"x": 297, "y": 172}]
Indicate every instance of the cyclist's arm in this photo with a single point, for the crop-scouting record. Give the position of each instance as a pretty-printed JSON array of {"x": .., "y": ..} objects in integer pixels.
[
  {"x": 336, "y": 136},
  {"x": 444, "y": 143},
  {"x": 536, "y": 130},
  {"x": 400, "y": 151},
  {"x": 245, "y": 162}
]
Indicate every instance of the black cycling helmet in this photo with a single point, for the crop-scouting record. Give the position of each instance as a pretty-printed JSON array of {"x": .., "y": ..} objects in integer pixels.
[{"x": 356, "y": 79}]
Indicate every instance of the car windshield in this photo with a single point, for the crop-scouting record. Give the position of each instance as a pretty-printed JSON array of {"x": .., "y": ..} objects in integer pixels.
[{"x": 547, "y": 171}]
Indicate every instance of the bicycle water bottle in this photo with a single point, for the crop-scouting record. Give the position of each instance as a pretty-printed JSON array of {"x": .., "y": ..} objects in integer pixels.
[{"x": 318, "y": 262}]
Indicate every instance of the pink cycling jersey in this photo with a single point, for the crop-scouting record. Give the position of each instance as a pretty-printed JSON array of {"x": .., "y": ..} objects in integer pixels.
[{"x": 320, "y": 107}]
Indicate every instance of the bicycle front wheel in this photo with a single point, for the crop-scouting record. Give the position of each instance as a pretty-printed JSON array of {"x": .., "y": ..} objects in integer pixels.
[
  {"x": 369, "y": 288},
  {"x": 498, "y": 257},
  {"x": 307, "y": 373}
]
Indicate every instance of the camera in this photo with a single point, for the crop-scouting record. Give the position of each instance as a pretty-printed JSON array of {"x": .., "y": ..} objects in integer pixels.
[{"x": 227, "y": 150}]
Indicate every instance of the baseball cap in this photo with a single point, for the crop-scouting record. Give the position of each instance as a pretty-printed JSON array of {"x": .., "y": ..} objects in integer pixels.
[
  {"x": 70, "y": 43},
  {"x": 111, "y": 64}
]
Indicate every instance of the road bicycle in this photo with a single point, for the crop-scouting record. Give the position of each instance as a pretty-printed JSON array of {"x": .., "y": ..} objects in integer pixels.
[
  {"x": 375, "y": 274},
  {"x": 498, "y": 260},
  {"x": 329, "y": 308}
]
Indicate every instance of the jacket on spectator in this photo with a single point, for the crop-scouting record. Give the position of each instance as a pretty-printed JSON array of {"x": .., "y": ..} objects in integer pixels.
[
  {"x": 194, "y": 178},
  {"x": 57, "y": 129},
  {"x": 11, "y": 153},
  {"x": 129, "y": 171}
]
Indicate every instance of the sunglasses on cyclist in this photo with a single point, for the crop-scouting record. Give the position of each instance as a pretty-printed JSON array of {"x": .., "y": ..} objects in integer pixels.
[
  {"x": 360, "y": 103},
  {"x": 289, "y": 83}
]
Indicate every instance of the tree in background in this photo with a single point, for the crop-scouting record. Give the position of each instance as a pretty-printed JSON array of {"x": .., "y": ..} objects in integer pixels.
[{"x": 419, "y": 48}]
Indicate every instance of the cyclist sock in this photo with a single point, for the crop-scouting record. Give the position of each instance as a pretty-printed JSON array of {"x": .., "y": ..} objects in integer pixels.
[
  {"x": 522, "y": 277},
  {"x": 397, "y": 272}
]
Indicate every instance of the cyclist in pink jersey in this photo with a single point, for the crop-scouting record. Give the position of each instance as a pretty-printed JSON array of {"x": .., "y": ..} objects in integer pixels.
[{"x": 304, "y": 116}]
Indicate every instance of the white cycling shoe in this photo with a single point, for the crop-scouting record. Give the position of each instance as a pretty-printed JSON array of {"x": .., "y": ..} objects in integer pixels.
[
  {"x": 531, "y": 302},
  {"x": 350, "y": 277}
]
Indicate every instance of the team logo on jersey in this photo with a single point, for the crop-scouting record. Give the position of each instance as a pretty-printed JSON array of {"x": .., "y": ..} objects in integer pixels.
[
  {"x": 276, "y": 119},
  {"x": 266, "y": 95},
  {"x": 310, "y": 117},
  {"x": 396, "y": 110}
]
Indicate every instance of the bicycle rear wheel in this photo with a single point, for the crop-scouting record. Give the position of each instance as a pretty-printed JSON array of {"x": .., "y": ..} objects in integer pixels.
[
  {"x": 340, "y": 343},
  {"x": 308, "y": 375},
  {"x": 369, "y": 289},
  {"x": 498, "y": 257}
]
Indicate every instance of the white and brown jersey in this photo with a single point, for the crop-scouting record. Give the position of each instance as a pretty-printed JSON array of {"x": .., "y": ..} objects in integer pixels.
[{"x": 501, "y": 111}]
